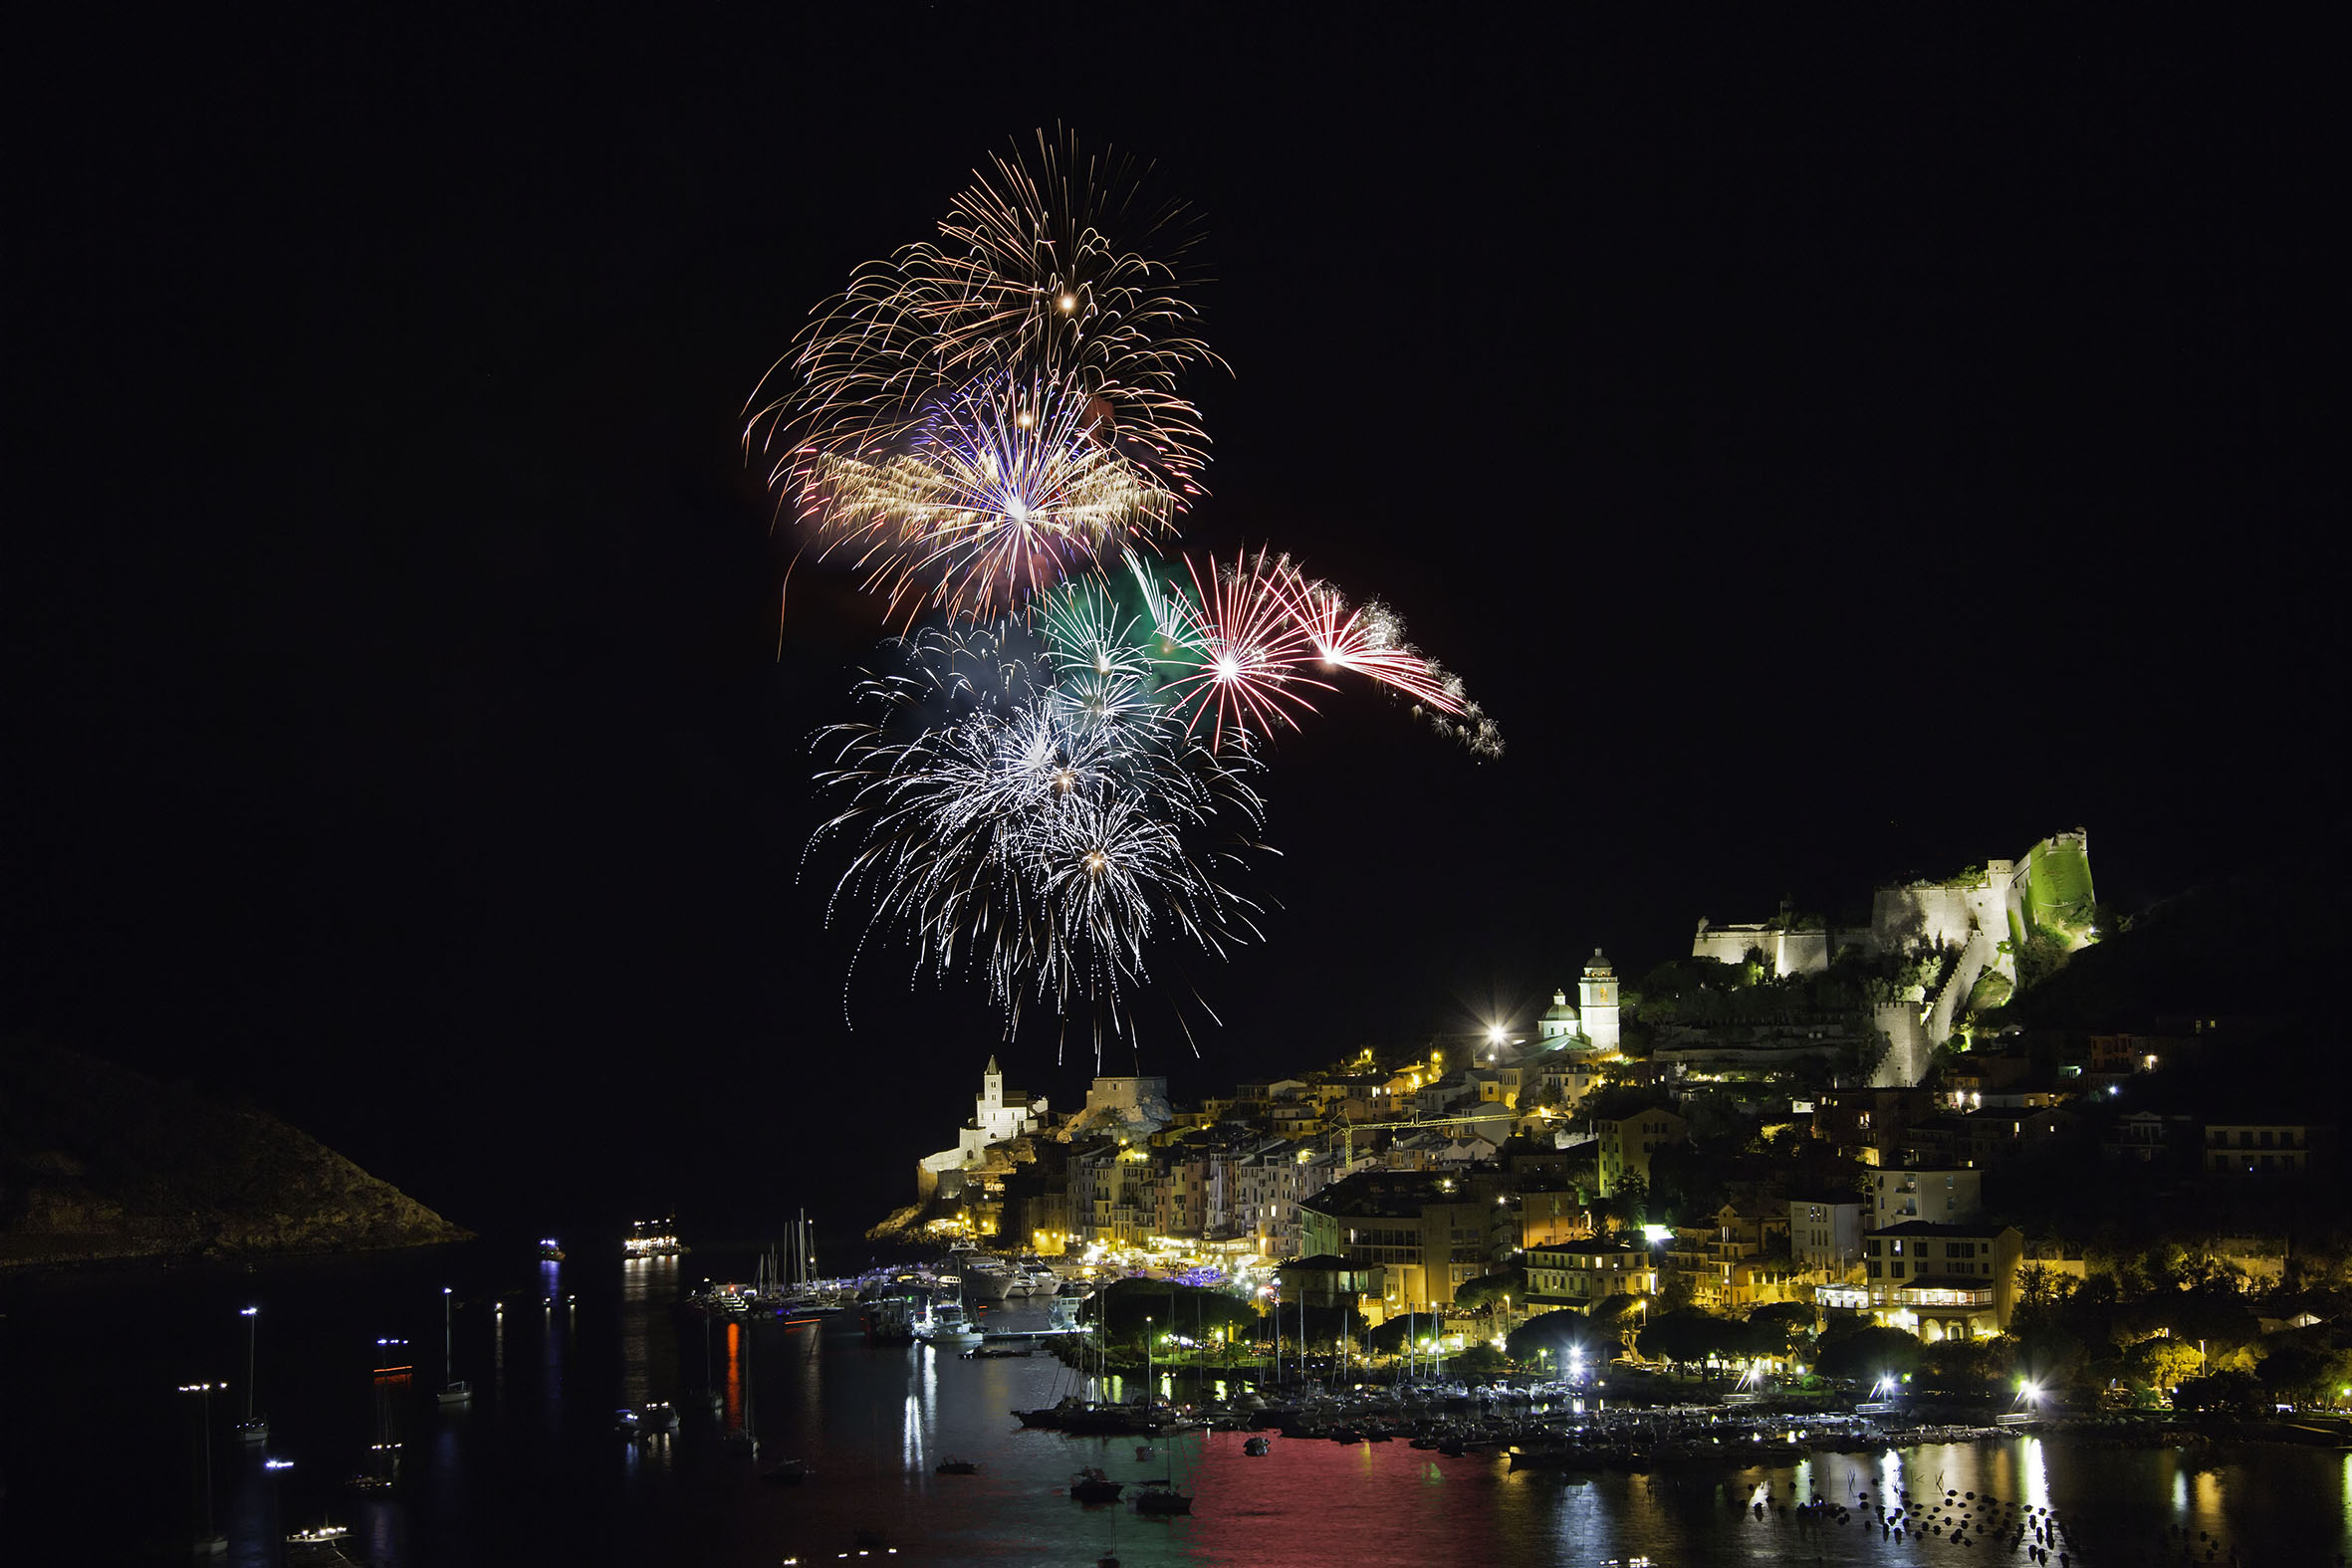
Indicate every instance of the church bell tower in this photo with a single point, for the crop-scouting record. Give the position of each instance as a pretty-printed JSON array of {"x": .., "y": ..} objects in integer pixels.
[{"x": 1596, "y": 993}]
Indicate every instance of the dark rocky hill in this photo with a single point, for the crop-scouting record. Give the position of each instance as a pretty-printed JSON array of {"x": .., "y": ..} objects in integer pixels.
[
  {"x": 2265, "y": 942},
  {"x": 100, "y": 1161}
]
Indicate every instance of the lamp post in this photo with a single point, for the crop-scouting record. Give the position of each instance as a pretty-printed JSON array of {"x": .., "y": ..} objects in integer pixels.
[{"x": 211, "y": 1543}]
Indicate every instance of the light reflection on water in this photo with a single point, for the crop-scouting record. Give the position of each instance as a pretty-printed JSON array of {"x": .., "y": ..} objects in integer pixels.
[{"x": 536, "y": 1471}]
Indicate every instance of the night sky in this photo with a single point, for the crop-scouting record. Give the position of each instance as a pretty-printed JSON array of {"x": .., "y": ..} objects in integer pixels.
[{"x": 1832, "y": 455}]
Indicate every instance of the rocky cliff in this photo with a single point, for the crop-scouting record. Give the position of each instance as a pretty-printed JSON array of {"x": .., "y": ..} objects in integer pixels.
[{"x": 100, "y": 1161}]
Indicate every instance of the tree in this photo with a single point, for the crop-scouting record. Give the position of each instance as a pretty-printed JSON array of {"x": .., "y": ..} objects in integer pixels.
[
  {"x": 2304, "y": 1374},
  {"x": 1389, "y": 1338},
  {"x": 1564, "y": 1334},
  {"x": 2042, "y": 1290},
  {"x": 1869, "y": 1354},
  {"x": 1961, "y": 1366},
  {"x": 1683, "y": 1338},
  {"x": 2159, "y": 1363},
  {"x": 1478, "y": 1363},
  {"x": 1619, "y": 1316},
  {"x": 1779, "y": 1325},
  {"x": 2226, "y": 1391},
  {"x": 1490, "y": 1288}
]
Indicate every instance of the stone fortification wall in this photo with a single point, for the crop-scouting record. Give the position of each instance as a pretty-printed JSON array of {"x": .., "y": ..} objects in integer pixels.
[
  {"x": 1908, "y": 1048},
  {"x": 1784, "y": 952}
]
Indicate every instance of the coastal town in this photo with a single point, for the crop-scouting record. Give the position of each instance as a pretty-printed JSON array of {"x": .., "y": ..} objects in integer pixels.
[{"x": 1798, "y": 1159}]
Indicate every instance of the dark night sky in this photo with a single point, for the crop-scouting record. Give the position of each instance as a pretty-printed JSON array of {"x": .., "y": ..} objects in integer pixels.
[{"x": 1831, "y": 455}]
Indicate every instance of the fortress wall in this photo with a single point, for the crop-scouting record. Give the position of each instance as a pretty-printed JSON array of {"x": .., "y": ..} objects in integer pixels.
[
  {"x": 1906, "y": 1060},
  {"x": 1785, "y": 952},
  {"x": 1908, "y": 917},
  {"x": 1802, "y": 953},
  {"x": 1975, "y": 959},
  {"x": 1729, "y": 943},
  {"x": 2058, "y": 881}
]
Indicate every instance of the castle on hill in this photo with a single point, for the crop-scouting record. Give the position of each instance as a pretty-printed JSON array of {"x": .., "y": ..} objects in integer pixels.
[{"x": 1977, "y": 922}]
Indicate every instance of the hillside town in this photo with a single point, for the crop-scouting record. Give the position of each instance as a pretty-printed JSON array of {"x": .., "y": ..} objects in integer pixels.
[{"x": 1710, "y": 1167}]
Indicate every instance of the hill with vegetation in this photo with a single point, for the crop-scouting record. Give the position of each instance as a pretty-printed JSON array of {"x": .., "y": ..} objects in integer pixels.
[
  {"x": 2265, "y": 942},
  {"x": 97, "y": 1161}
]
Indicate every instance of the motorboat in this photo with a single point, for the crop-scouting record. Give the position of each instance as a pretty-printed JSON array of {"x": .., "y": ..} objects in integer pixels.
[{"x": 985, "y": 1281}]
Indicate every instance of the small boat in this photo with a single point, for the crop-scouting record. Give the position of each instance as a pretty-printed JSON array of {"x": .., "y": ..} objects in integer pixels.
[
  {"x": 319, "y": 1535},
  {"x": 1092, "y": 1486},
  {"x": 953, "y": 1466},
  {"x": 1257, "y": 1448},
  {"x": 784, "y": 1473},
  {"x": 550, "y": 1249},
  {"x": 1157, "y": 1496},
  {"x": 657, "y": 1418}
]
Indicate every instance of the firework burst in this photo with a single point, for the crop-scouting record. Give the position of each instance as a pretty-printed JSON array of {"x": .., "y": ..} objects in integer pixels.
[
  {"x": 990, "y": 426},
  {"x": 1251, "y": 648},
  {"x": 1076, "y": 339},
  {"x": 1000, "y": 490},
  {"x": 995, "y": 828}
]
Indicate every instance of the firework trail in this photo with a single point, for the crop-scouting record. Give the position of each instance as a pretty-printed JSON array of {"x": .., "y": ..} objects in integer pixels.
[{"x": 989, "y": 426}]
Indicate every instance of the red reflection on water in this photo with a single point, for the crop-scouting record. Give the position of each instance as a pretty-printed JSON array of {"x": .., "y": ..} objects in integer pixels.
[
  {"x": 1312, "y": 1501},
  {"x": 734, "y": 1374}
]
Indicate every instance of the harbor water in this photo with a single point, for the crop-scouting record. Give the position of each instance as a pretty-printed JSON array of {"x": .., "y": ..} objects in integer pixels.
[{"x": 103, "y": 1455}]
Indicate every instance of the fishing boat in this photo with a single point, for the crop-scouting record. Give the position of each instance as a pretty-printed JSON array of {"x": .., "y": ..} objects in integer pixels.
[
  {"x": 550, "y": 1249},
  {"x": 944, "y": 1322}
]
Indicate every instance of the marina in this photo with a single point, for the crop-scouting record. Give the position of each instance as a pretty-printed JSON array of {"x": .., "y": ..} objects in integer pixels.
[{"x": 801, "y": 1437}]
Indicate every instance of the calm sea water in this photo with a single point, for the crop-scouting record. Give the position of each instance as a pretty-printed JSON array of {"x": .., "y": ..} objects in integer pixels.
[{"x": 102, "y": 1457}]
